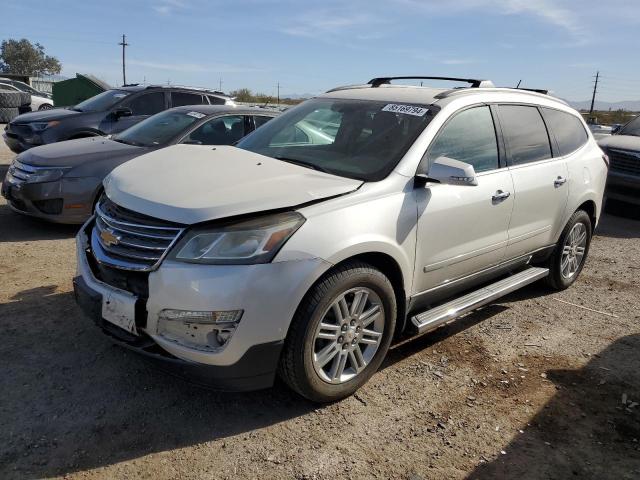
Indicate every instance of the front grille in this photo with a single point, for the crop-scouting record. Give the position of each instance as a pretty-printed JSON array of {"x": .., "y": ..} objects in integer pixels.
[
  {"x": 49, "y": 207},
  {"x": 625, "y": 162},
  {"x": 128, "y": 240}
]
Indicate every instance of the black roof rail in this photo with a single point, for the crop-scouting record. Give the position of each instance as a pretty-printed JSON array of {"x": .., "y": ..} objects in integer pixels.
[
  {"x": 537, "y": 90},
  {"x": 474, "y": 83}
]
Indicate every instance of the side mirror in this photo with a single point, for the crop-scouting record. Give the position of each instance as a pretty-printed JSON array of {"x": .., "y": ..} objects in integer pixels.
[
  {"x": 122, "y": 112},
  {"x": 616, "y": 129},
  {"x": 452, "y": 172}
]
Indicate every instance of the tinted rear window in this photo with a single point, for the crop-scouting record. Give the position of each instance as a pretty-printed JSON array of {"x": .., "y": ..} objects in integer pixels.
[
  {"x": 525, "y": 134},
  {"x": 568, "y": 130},
  {"x": 180, "y": 99},
  {"x": 216, "y": 100}
]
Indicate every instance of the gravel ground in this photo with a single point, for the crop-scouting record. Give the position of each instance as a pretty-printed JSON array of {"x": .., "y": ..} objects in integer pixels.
[{"x": 530, "y": 387}]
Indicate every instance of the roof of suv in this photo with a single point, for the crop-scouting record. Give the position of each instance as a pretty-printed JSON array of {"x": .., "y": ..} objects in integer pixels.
[
  {"x": 138, "y": 88},
  {"x": 426, "y": 95}
]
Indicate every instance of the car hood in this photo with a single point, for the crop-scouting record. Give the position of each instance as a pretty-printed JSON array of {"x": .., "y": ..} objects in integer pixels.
[
  {"x": 190, "y": 184},
  {"x": 72, "y": 153},
  {"x": 45, "y": 115},
  {"x": 623, "y": 142}
]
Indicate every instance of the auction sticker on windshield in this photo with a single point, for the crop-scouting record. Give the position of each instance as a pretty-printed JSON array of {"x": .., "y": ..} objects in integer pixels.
[
  {"x": 196, "y": 114},
  {"x": 406, "y": 109}
]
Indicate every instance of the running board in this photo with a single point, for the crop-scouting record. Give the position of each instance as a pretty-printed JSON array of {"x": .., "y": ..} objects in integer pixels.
[{"x": 437, "y": 316}]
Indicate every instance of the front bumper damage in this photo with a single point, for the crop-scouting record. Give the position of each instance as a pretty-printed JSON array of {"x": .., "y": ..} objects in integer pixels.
[{"x": 268, "y": 295}]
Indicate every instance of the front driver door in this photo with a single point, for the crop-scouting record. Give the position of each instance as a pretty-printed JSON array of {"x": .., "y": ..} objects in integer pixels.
[{"x": 462, "y": 229}]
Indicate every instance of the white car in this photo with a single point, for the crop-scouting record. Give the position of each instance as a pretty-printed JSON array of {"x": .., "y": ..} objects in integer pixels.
[
  {"x": 39, "y": 100},
  {"x": 306, "y": 254}
]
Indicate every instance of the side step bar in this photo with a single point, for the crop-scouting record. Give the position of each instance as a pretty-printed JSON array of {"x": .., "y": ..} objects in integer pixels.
[{"x": 437, "y": 316}]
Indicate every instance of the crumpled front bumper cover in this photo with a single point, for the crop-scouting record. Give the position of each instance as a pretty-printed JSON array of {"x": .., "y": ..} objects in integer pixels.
[{"x": 255, "y": 370}]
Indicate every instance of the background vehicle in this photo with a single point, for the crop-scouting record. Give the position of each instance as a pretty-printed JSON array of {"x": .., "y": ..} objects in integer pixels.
[
  {"x": 61, "y": 182},
  {"x": 108, "y": 112},
  {"x": 623, "y": 149},
  {"x": 307, "y": 255},
  {"x": 39, "y": 100}
]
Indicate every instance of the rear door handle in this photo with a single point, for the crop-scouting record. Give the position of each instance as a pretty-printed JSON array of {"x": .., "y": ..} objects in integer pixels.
[
  {"x": 500, "y": 195},
  {"x": 558, "y": 182}
]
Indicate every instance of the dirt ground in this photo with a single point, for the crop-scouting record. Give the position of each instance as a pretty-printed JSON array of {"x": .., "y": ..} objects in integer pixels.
[{"x": 531, "y": 387}]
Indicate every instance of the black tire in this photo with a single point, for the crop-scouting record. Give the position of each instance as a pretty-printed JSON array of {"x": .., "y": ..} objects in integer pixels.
[
  {"x": 10, "y": 99},
  {"x": 8, "y": 114},
  {"x": 556, "y": 279},
  {"x": 296, "y": 363},
  {"x": 25, "y": 98},
  {"x": 45, "y": 106}
]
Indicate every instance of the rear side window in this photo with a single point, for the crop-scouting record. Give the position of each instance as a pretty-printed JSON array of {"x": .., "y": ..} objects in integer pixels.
[
  {"x": 525, "y": 134},
  {"x": 469, "y": 137},
  {"x": 146, "y": 104},
  {"x": 568, "y": 130},
  {"x": 179, "y": 99},
  {"x": 216, "y": 100},
  {"x": 261, "y": 120}
]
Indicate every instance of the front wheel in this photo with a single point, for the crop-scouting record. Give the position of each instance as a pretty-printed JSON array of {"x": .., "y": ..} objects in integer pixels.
[
  {"x": 340, "y": 333},
  {"x": 571, "y": 251}
]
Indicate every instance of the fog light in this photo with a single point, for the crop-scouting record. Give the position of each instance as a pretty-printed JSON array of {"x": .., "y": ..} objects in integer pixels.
[{"x": 200, "y": 330}]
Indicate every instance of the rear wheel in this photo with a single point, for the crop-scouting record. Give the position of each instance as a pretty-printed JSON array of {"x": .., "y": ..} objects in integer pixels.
[
  {"x": 340, "y": 333},
  {"x": 571, "y": 251},
  {"x": 46, "y": 106}
]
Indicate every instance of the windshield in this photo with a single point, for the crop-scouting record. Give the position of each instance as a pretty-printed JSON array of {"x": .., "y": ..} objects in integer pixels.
[
  {"x": 631, "y": 128},
  {"x": 351, "y": 138},
  {"x": 158, "y": 129},
  {"x": 101, "y": 102}
]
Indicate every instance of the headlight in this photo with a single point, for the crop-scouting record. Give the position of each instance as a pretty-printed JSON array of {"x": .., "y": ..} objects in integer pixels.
[
  {"x": 248, "y": 242},
  {"x": 46, "y": 175},
  {"x": 41, "y": 126}
]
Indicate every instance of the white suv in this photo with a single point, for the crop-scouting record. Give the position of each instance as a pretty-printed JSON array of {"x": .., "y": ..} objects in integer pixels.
[{"x": 369, "y": 213}]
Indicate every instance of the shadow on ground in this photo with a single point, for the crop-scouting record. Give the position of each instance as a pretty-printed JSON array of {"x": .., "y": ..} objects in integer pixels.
[
  {"x": 20, "y": 228},
  {"x": 73, "y": 401},
  {"x": 620, "y": 220},
  {"x": 585, "y": 431}
]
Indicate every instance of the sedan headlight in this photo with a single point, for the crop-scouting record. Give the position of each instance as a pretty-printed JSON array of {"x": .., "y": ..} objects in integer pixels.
[
  {"x": 247, "y": 242},
  {"x": 46, "y": 175},
  {"x": 41, "y": 126}
]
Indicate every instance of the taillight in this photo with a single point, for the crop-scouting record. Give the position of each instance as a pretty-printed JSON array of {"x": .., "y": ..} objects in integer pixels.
[{"x": 605, "y": 158}]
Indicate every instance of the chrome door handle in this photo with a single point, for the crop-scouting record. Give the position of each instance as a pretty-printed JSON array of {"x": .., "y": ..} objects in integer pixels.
[
  {"x": 558, "y": 182},
  {"x": 500, "y": 195}
]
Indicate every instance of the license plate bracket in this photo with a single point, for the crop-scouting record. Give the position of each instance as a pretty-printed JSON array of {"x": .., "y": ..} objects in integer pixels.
[{"x": 119, "y": 308}]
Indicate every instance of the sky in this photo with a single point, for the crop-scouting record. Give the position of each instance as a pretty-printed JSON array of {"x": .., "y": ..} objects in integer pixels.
[{"x": 311, "y": 46}]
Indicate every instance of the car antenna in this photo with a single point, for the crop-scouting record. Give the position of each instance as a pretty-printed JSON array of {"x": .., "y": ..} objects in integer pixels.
[{"x": 519, "y": 82}]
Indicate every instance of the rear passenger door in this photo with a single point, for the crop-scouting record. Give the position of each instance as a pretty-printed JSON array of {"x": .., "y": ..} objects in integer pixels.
[{"x": 539, "y": 179}]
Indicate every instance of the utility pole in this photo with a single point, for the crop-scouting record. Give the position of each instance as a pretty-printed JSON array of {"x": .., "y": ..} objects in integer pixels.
[
  {"x": 220, "y": 88},
  {"x": 278, "y": 86},
  {"x": 593, "y": 98},
  {"x": 124, "y": 45}
]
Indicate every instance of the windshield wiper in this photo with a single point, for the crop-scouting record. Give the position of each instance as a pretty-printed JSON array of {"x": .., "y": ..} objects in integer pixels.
[
  {"x": 130, "y": 142},
  {"x": 302, "y": 163}
]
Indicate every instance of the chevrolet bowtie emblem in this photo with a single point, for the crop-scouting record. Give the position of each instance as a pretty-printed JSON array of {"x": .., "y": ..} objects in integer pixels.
[{"x": 109, "y": 238}]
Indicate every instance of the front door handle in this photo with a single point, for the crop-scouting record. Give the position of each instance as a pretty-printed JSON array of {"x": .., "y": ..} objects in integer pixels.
[
  {"x": 500, "y": 195},
  {"x": 558, "y": 182}
]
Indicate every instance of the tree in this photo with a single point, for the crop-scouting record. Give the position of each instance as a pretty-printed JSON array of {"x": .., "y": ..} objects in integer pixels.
[
  {"x": 24, "y": 58},
  {"x": 242, "y": 95}
]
